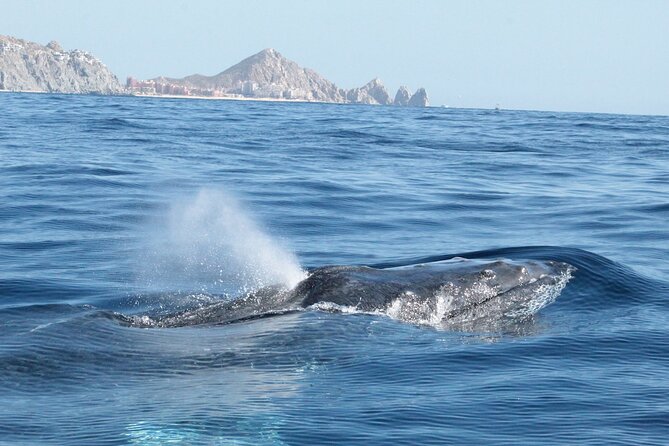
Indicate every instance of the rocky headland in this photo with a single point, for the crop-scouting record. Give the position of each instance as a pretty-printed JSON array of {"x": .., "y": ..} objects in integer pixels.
[
  {"x": 269, "y": 75},
  {"x": 29, "y": 66}
]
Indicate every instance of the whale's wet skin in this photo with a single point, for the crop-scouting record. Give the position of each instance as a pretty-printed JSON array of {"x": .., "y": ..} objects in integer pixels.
[{"x": 458, "y": 293}]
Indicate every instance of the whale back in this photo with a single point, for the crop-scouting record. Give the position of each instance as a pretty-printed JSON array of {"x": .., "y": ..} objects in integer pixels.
[{"x": 456, "y": 292}]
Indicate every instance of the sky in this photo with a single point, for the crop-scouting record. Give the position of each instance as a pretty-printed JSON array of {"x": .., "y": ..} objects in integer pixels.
[{"x": 563, "y": 55}]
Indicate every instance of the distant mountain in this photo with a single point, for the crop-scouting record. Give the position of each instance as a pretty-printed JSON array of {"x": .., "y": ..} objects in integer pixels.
[
  {"x": 29, "y": 66},
  {"x": 269, "y": 75}
]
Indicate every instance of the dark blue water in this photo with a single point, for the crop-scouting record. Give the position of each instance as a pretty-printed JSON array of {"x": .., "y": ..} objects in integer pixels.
[{"x": 141, "y": 207}]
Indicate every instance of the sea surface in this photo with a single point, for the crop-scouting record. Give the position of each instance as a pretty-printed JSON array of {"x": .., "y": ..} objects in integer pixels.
[{"x": 121, "y": 207}]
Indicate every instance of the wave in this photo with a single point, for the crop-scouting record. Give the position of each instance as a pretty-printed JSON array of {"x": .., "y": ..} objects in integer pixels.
[{"x": 105, "y": 124}]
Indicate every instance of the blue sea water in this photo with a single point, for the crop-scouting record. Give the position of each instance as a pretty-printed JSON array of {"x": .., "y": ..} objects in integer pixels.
[{"x": 140, "y": 207}]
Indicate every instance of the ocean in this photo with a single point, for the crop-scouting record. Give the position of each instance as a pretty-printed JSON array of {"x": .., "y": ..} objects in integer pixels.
[{"x": 118, "y": 210}]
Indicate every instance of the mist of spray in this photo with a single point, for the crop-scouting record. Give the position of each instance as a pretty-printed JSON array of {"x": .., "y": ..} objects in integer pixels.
[{"x": 209, "y": 242}]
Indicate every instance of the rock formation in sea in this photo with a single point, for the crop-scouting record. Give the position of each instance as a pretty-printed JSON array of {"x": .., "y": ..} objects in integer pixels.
[
  {"x": 29, "y": 66},
  {"x": 402, "y": 96},
  {"x": 267, "y": 75},
  {"x": 419, "y": 99}
]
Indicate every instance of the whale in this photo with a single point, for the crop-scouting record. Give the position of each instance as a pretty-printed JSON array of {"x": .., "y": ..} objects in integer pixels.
[{"x": 450, "y": 292}]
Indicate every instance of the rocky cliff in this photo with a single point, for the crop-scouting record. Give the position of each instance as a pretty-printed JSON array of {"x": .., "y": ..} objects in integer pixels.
[
  {"x": 371, "y": 93},
  {"x": 29, "y": 66}
]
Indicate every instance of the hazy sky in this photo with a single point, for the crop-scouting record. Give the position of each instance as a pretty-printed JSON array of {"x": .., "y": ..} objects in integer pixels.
[{"x": 598, "y": 55}]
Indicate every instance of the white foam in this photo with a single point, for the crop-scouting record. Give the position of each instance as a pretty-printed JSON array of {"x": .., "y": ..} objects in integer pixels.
[
  {"x": 332, "y": 307},
  {"x": 544, "y": 295}
]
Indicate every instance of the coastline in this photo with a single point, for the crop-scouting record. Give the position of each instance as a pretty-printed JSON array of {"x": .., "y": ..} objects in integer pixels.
[
  {"x": 29, "y": 91},
  {"x": 176, "y": 96},
  {"x": 222, "y": 98}
]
